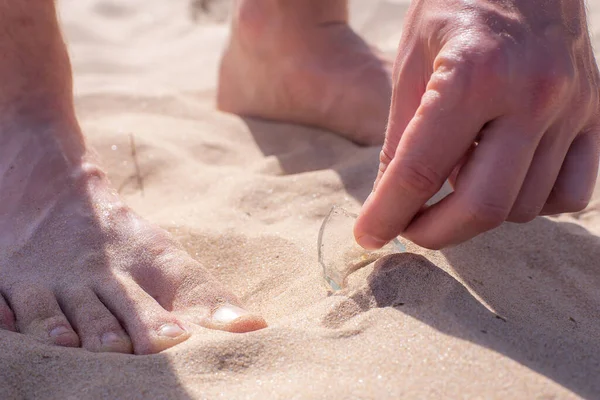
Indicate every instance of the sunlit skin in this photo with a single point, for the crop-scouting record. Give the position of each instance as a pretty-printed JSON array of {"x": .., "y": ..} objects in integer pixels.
[
  {"x": 516, "y": 76},
  {"x": 78, "y": 268}
]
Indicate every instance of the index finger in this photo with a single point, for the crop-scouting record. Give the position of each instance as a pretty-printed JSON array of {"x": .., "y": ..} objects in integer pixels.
[{"x": 442, "y": 130}]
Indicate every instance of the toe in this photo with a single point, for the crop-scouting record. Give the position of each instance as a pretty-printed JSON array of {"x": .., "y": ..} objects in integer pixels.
[
  {"x": 98, "y": 329},
  {"x": 188, "y": 290},
  {"x": 151, "y": 328},
  {"x": 7, "y": 318},
  {"x": 38, "y": 315},
  {"x": 232, "y": 318},
  {"x": 210, "y": 305}
]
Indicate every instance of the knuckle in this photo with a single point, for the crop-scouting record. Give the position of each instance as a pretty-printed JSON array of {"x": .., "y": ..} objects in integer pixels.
[
  {"x": 478, "y": 68},
  {"x": 549, "y": 86},
  {"x": 386, "y": 156},
  {"x": 486, "y": 60},
  {"x": 450, "y": 77},
  {"x": 485, "y": 54},
  {"x": 488, "y": 215},
  {"x": 384, "y": 159},
  {"x": 417, "y": 177}
]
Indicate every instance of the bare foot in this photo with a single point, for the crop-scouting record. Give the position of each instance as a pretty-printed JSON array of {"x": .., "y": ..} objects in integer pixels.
[
  {"x": 79, "y": 268},
  {"x": 318, "y": 73}
]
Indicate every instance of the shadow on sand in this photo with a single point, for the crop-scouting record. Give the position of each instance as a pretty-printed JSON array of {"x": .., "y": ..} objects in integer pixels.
[
  {"x": 537, "y": 278},
  {"x": 545, "y": 300}
]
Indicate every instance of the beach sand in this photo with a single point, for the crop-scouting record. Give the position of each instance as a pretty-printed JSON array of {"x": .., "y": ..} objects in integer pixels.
[{"x": 512, "y": 314}]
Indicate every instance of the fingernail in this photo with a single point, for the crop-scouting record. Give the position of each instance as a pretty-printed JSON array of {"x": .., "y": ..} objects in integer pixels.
[
  {"x": 171, "y": 331},
  {"x": 111, "y": 338},
  {"x": 228, "y": 313},
  {"x": 370, "y": 242},
  {"x": 59, "y": 331}
]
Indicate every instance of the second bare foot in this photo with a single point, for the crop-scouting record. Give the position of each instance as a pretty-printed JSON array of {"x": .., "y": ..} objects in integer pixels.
[{"x": 318, "y": 73}]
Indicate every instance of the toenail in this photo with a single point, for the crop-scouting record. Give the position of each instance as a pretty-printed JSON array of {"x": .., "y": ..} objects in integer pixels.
[
  {"x": 228, "y": 313},
  {"x": 111, "y": 338},
  {"x": 171, "y": 331},
  {"x": 59, "y": 331}
]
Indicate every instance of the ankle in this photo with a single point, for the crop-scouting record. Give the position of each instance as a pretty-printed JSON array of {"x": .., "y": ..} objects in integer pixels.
[
  {"x": 37, "y": 170},
  {"x": 39, "y": 155},
  {"x": 32, "y": 136},
  {"x": 255, "y": 17}
]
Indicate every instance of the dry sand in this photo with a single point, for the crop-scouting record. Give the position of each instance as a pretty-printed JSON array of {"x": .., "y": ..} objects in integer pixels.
[{"x": 513, "y": 314}]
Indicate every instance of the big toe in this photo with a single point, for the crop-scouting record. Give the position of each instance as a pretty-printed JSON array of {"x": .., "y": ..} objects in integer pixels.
[
  {"x": 158, "y": 304},
  {"x": 192, "y": 293},
  {"x": 229, "y": 317}
]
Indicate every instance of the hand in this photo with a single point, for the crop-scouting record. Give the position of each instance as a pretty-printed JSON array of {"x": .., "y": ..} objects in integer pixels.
[{"x": 502, "y": 98}]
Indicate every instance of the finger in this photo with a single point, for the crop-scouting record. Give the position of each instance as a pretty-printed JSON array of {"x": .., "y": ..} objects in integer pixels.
[
  {"x": 541, "y": 177},
  {"x": 456, "y": 171},
  {"x": 406, "y": 97},
  {"x": 575, "y": 183},
  {"x": 430, "y": 147},
  {"x": 485, "y": 190}
]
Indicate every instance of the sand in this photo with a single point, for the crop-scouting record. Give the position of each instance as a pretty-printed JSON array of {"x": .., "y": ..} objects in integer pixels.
[{"x": 511, "y": 314}]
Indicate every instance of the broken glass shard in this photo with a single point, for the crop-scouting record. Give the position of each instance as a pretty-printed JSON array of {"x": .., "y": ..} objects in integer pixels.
[{"x": 339, "y": 254}]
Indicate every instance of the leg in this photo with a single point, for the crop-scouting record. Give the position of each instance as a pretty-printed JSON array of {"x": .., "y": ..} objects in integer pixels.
[
  {"x": 77, "y": 267},
  {"x": 299, "y": 61}
]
